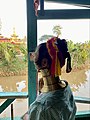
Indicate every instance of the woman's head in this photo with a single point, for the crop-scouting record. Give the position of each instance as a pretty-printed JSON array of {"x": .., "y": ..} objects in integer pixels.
[
  {"x": 52, "y": 54},
  {"x": 42, "y": 58}
]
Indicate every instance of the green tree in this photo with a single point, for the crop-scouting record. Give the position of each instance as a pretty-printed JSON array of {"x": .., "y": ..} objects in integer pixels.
[
  {"x": 10, "y": 61},
  {"x": 57, "y": 30}
]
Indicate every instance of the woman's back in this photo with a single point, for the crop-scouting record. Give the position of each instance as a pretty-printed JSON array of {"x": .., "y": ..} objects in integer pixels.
[{"x": 54, "y": 105}]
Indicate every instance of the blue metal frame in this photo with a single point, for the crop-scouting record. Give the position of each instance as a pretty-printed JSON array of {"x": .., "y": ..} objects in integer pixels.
[
  {"x": 10, "y": 97},
  {"x": 74, "y": 2},
  {"x": 64, "y": 14},
  {"x": 32, "y": 43}
]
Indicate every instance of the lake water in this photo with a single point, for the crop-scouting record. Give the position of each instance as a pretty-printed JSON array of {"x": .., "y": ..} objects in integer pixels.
[
  {"x": 84, "y": 89},
  {"x": 79, "y": 82}
]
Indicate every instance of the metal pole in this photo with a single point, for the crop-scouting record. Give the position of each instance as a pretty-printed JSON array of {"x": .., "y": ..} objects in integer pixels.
[{"x": 12, "y": 112}]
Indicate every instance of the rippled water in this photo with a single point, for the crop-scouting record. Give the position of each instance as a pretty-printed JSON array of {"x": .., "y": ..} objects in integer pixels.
[
  {"x": 79, "y": 82},
  {"x": 13, "y": 84},
  {"x": 84, "y": 89}
]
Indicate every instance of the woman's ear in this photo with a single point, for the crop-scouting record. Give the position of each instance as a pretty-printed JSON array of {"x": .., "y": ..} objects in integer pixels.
[{"x": 44, "y": 63}]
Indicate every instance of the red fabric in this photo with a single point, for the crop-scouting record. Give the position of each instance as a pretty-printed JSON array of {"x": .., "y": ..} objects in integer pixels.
[
  {"x": 36, "y": 5},
  {"x": 53, "y": 52}
]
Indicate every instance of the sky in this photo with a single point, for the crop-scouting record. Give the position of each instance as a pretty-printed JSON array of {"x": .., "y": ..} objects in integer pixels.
[
  {"x": 75, "y": 30},
  {"x": 13, "y": 14}
]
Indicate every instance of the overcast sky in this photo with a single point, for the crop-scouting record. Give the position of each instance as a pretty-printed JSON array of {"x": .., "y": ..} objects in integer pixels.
[{"x": 13, "y": 14}]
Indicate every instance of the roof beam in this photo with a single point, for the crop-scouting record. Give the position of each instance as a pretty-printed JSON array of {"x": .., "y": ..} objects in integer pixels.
[
  {"x": 83, "y": 2},
  {"x": 64, "y": 14}
]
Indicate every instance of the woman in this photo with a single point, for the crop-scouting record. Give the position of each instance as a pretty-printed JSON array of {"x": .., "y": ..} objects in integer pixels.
[{"x": 55, "y": 101}]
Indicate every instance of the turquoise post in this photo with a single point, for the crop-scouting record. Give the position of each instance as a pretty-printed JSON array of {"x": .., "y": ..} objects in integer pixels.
[{"x": 31, "y": 45}]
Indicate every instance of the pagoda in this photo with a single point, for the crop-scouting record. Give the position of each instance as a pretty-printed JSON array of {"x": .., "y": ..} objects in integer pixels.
[{"x": 14, "y": 38}]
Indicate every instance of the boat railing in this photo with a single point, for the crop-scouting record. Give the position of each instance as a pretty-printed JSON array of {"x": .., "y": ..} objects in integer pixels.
[{"x": 11, "y": 96}]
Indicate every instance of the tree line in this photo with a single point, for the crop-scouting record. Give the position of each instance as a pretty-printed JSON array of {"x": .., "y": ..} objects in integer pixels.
[{"x": 14, "y": 60}]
